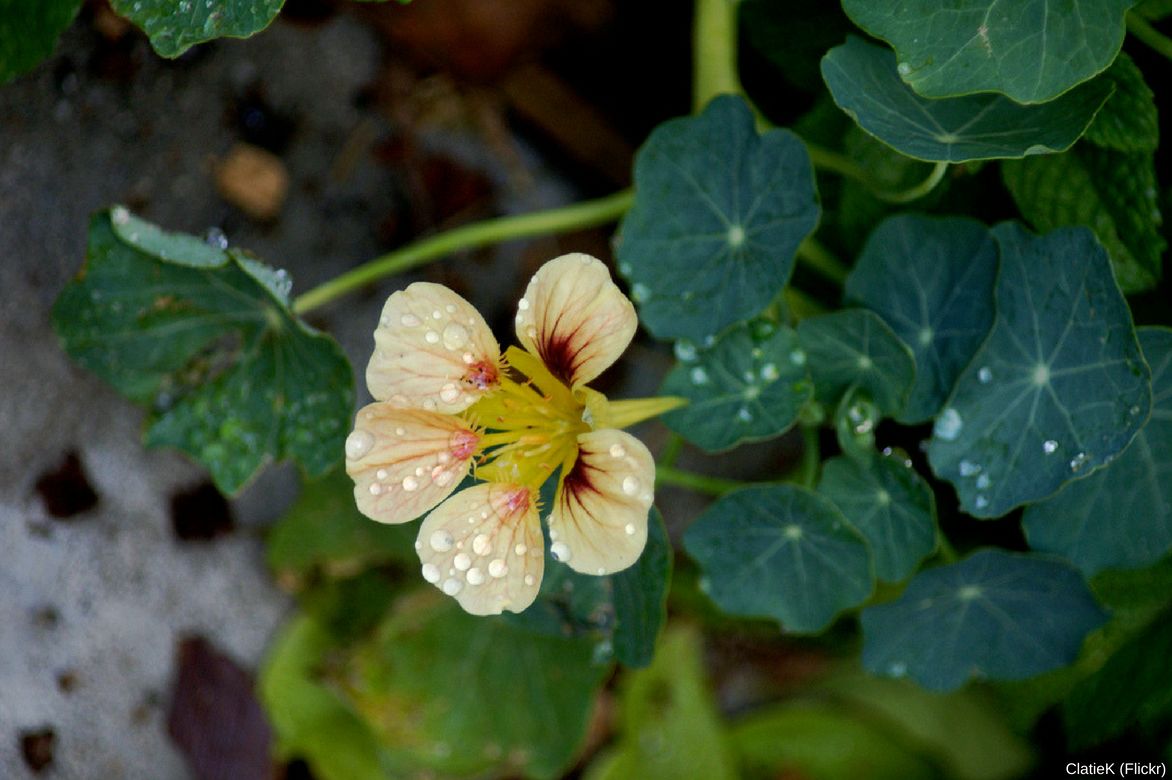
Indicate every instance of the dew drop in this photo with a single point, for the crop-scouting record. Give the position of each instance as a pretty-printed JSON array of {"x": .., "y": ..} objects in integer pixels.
[
  {"x": 981, "y": 502},
  {"x": 523, "y": 304},
  {"x": 744, "y": 415},
  {"x": 769, "y": 372},
  {"x": 120, "y": 215},
  {"x": 481, "y": 545},
  {"x": 968, "y": 468},
  {"x": 983, "y": 482},
  {"x": 903, "y": 68},
  {"x": 631, "y": 485},
  {"x": 358, "y": 444},
  {"x": 410, "y": 483},
  {"x": 529, "y": 580},
  {"x": 381, "y": 474},
  {"x": 797, "y": 357},
  {"x": 449, "y": 393},
  {"x": 455, "y": 336},
  {"x": 497, "y": 568},
  {"x": 985, "y": 375},
  {"x": 685, "y": 351},
  {"x": 630, "y": 529},
  {"x": 462, "y": 562},
  {"x": 520, "y": 549},
  {"x": 409, "y": 321},
  {"x": 897, "y": 669},
  {"x": 948, "y": 425},
  {"x": 1049, "y": 446},
  {"x": 601, "y": 571},
  {"x": 428, "y": 405},
  {"x": 400, "y": 431},
  {"x": 699, "y": 376},
  {"x": 640, "y": 292},
  {"x": 560, "y": 551},
  {"x": 431, "y": 337},
  {"x": 436, "y": 315},
  {"x": 1078, "y": 461},
  {"x": 617, "y": 451},
  {"x": 375, "y": 488},
  {"x": 452, "y": 586},
  {"x": 442, "y": 478},
  {"x": 474, "y": 576},
  {"x": 431, "y": 573},
  {"x": 440, "y": 541}
]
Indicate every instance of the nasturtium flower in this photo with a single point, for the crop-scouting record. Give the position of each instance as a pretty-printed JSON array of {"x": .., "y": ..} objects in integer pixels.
[{"x": 449, "y": 403}]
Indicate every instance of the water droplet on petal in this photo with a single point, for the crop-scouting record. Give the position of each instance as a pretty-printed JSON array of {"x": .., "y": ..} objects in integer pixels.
[
  {"x": 617, "y": 451},
  {"x": 452, "y": 586},
  {"x": 440, "y": 541},
  {"x": 400, "y": 431},
  {"x": 358, "y": 444},
  {"x": 630, "y": 529},
  {"x": 520, "y": 549},
  {"x": 431, "y": 573},
  {"x": 529, "y": 580},
  {"x": 497, "y": 568},
  {"x": 462, "y": 561},
  {"x": 631, "y": 485},
  {"x": 431, "y": 337},
  {"x": 560, "y": 551},
  {"x": 481, "y": 545},
  {"x": 474, "y": 576},
  {"x": 381, "y": 474},
  {"x": 449, "y": 394},
  {"x": 410, "y": 483},
  {"x": 455, "y": 336},
  {"x": 375, "y": 488},
  {"x": 409, "y": 321},
  {"x": 523, "y": 304}
]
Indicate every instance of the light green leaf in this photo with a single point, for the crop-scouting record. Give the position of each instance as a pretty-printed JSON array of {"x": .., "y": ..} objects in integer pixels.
[
  {"x": 864, "y": 82},
  {"x": 310, "y": 720},
  {"x": 457, "y": 694},
  {"x": 1058, "y": 389},
  {"x": 324, "y": 532},
  {"x": 821, "y": 741},
  {"x": 750, "y": 385},
  {"x": 1120, "y": 516},
  {"x": 232, "y": 377},
  {"x": 670, "y": 726},
  {"x": 783, "y": 552},
  {"x": 1032, "y": 50},
  {"x": 995, "y": 614},
  {"x": 174, "y": 26},
  {"x": 29, "y": 31},
  {"x": 853, "y": 348},
  {"x": 890, "y": 504},
  {"x": 1129, "y": 121},
  {"x": 1113, "y": 193},
  {"x": 719, "y": 212},
  {"x": 931, "y": 279}
]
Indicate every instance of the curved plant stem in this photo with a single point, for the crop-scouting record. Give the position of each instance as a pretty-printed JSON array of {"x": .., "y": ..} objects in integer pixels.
[
  {"x": 701, "y": 483},
  {"x": 819, "y": 258},
  {"x": 1141, "y": 28},
  {"x": 580, "y": 215},
  {"x": 806, "y": 474},
  {"x": 945, "y": 549},
  {"x": 671, "y": 450},
  {"x": 714, "y": 51},
  {"x": 844, "y": 166}
]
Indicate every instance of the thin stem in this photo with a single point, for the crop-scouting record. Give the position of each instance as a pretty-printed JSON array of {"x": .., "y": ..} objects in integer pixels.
[
  {"x": 671, "y": 450},
  {"x": 947, "y": 551},
  {"x": 1141, "y": 28},
  {"x": 701, "y": 483},
  {"x": 818, "y": 258},
  {"x": 589, "y": 213},
  {"x": 834, "y": 162},
  {"x": 800, "y": 305},
  {"x": 714, "y": 51},
  {"x": 806, "y": 474}
]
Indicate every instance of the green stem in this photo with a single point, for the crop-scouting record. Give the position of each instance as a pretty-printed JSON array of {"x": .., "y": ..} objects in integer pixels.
[
  {"x": 589, "y": 213},
  {"x": 1141, "y": 28},
  {"x": 714, "y": 51},
  {"x": 701, "y": 483},
  {"x": 818, "y": 258},
  {"x": 946, "y": 550},
  {"x": 671, "y": 450},
  {"x": 834, "y": 162},
  {"x": 806, "y": 474}
]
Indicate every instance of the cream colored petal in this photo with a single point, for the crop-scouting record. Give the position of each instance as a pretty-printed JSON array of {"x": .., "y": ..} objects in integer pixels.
[
  {"x": 432, "y": 351},
  {"x": 575, "y": 318},
  {"x": 484, "y": 547},
  {"x": 598, "y": 523},
  {"x": 405, "y": 461}
]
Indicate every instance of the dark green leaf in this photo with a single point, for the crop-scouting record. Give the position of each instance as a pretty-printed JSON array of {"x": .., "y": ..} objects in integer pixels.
[
  {"x": 456, "y": 694},
  {"x": 1129, "y": 121},
  {"x": 792, "y": 35},
  {"x": 1134, "y": 688},
  {"x": 670, "y": 726},
  {"x": 852, "y": 349},
  {"x": 783, "y": 552},
  {"x": 324, "y": 531},
  {"x": 174, "y": 26},
  {"x": 864, "y": 81},
  {"x": 890, "y": 504},
  {"x": 1120, "y": 516},
  {"x": 29, "y": 30},
  {"x": 640, "y": 598},
  {"x": 1113, "y": 193},
  {"x": 1058, "y": 389},
  {"x": 1001, "y": 615},
  {"x": 750, "y": 385},
  {"x": 310, "y": 720},
  {"x": 1030, "y": 50},
  {"x": 931, "y": 279},
  {"x": 233, "y": 378},
  {"x": 719, "y": 212}
]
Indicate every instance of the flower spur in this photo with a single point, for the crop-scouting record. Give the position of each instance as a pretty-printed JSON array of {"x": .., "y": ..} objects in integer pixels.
[{"x": 448, "y": 402}]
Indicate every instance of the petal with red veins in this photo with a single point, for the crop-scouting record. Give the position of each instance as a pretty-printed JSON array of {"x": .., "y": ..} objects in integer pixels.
[
  {"x": 598, "y": 523},
  {"x": 575, "y": 318},
  {"x": 405, "y": 461},
  {"x": 433, "y": 351},
  {"x": 484, "y": 547}
]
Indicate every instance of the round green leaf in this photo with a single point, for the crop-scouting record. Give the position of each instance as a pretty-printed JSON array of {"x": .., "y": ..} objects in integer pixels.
[
  {"x": 199, "y": 335},
  {"x": 999, "y": 615},
  {"x": 931, "y": 279},
  {"x": 865, "y": 83},
  {"x": 719, "y": 212},
  {"x": 29, "y": 31},
  {"x": 783, "y": 552},
  {"x": 1058, "y": 389},
  {"x": 890, "y": 504},
  {"x": 1030, "y": 50},
  {"x": 852, "y": 349},
  {"x": 740, "y": 389},
  {"x": 1120, "y": 516},
  {"x": 174, "y": 26}
]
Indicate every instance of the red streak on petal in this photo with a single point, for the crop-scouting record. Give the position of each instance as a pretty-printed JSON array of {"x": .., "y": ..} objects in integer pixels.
[
  {"x": 482, "y": 375},
  {"x": 516, "y": 500},
  {"x": 463, "y": 444}
]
